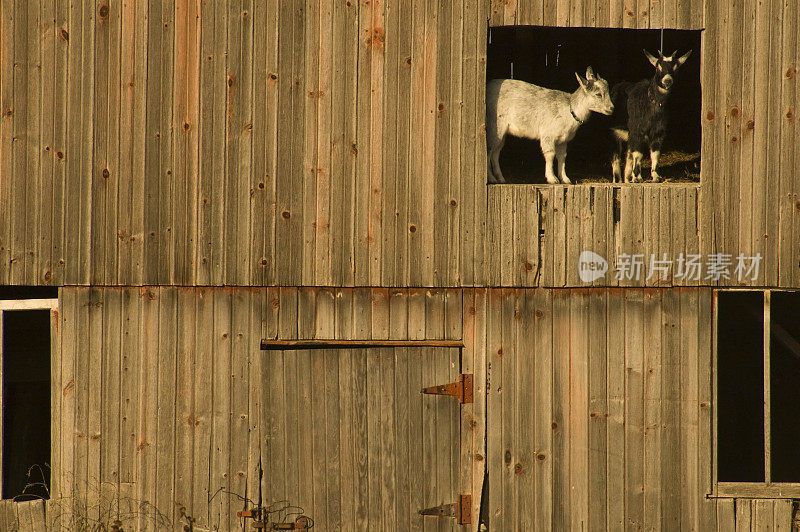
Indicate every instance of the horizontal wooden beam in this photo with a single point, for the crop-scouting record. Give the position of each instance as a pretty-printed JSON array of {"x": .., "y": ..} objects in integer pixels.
[
  {"x": 757, "y": 490},
  {"x": 279, "y": 345},
  {"x": 28, "y": 304}
]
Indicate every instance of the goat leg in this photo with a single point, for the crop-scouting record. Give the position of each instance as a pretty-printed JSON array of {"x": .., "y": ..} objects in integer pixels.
[
  {"x": 495, "y": 174},
  {"x": 616, "y": 167},
  {"x": 561, "y": 157},
  {"x": 628, "y": 166},
  {"x": 551, "y": 178},
  {"x": 637, "y": 166},
  {"x": 654, "y": 155}
]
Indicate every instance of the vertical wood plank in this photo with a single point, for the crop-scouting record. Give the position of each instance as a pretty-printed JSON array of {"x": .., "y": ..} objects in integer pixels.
[
  {"x": 164, "y": 444},
  {"x": 147, "y": 436},
  {"x": 634, "y": 413},
  {"x": 562, "y": 508},
  {"x": 6, "y": 132},
  {"x": 47, "y": 111},
  {"x": 186, "y": 419},
  {"x": 110, "y": 418},
  {"x": 787, "y": 191},
  {"x": 242, "y": 344},
  {"x": 309, "y": 93},
  {"x": 473, "y": 442},
  {"x": 443, "y": 125},
  {"x": 494, "y": 387},
  {"x": 203, "y": 406},
  {"x": 28, "y": 78},
  {"x": 708, "y": 72},
  {"x": 256, "y": 387},
  {"x": 69, "y": 306},
  {"x": 691, "y": 494},
  {"x": 543, "y": 392},
  {"x": 598, "y": 327},
  {"x": 186, "y": 122},
  {"x": 264, "y": 135},
  {"x": 290, "y": 184},
  {"x": 219, "y": 459},
  {"x": 726, "y": 514},
  {"x": 471, "y": 144},
  {"x": 238, "y": 128},
  {"x": 56, "y": 385},
  {"x": 360, "y": 365},
  {"x": 704, "y": 376},
  {"x": 509, "y": 314},
  {"x": 322, "y": 220},
  {"x": 656, "y": 370},
  {"x": 129, "y": 388},
  {"x": 275, "y": 406},
  {"x": 579, "y": 406},
  {"x": 90, "y": 361},
  {"x": 206, "y": 141}
]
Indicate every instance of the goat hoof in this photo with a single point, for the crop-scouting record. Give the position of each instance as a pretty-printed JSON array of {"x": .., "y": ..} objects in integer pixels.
[
  {"x": 566, "y": 180},
  {"x": 655, "y": 177}
]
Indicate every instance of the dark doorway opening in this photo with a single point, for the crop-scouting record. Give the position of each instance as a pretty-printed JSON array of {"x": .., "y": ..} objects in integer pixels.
[
  {"x": 549, "y": 57},
  {"x": 26, "y": 404},
  {"x": 784, "y": 389},
  {"x": 740, "y": 386}
]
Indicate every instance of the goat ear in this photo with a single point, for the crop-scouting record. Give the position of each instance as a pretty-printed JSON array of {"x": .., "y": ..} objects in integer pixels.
[
  {"x": 582, "y": 82},
  {"x": 590, "y": 74},
  {"x": 650, "y": 57},
  {"x": 682, "y": 59}
]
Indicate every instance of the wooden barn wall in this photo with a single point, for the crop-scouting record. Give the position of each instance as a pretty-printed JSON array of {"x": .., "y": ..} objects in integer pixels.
[
  {"x": 162, "y": 395},
  {"x": 536, "y": 234},
  {"x": 341, "y": 143},
  {"x": 242, "y": 143},
  {"x": 599, "y": 409}
]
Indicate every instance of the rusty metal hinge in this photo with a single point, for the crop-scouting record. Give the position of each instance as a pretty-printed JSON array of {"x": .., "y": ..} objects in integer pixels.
[
  {"x": 461, "y": 510},
  {"x": 462, "y": 388}
]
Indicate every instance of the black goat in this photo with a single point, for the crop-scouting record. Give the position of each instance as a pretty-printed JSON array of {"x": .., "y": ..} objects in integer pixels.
[{"x": 641, "y": 117}]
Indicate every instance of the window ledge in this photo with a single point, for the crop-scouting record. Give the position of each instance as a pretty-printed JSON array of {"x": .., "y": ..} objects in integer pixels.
[{"x": 756, "y": 490}]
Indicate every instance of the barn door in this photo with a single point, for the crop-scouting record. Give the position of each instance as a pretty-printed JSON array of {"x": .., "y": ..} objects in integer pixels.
[{"x": 351, "y": 441}]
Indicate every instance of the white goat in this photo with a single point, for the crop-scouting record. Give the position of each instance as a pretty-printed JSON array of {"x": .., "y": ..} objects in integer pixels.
[{"x": 526, "y": 110}]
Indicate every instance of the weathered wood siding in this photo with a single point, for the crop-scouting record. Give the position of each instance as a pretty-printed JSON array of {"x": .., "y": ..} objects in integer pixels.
[
  {"x": 740, "y": 515},
  {"x": 162, "y": 395},
  {"x": 600, "y": 407},
  {"x": 341, "y": 144},
  {"x": 245, "y": 143}
]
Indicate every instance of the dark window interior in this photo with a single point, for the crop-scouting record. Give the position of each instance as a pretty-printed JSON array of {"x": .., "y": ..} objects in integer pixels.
[
  {"x": 785, "y": 385},
  {"x": 28, "y": 292},
  {"x": 740, "y": 386},
  {"x": 26, "y": 404},
  {"x": 549, "y": 57}
]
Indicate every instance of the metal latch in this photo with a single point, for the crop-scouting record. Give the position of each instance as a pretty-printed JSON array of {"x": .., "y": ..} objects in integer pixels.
[
  {"x": 259, "y": 517},
  {"x": 461, "y": 389},
  {"x": 461, "y": 510}
]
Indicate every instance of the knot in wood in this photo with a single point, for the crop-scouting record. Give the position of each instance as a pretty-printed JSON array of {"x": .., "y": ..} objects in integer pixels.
[
  {"x": 103, "y": 11},
  {"x": 286, "y": 215}
]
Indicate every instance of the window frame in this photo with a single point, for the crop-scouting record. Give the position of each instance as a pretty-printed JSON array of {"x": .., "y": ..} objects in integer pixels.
[
  {"x": 50, "y": 304},
  {"x": 548, "y": 186},
  {"x": 766, "y": 489}
]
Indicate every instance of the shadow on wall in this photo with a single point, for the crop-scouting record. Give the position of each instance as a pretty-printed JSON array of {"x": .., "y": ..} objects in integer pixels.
[{"x": 549, "y": 57}]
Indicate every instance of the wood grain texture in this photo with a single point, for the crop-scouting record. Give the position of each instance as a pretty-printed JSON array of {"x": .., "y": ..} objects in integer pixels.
[{"x": 614, "y": 426}]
